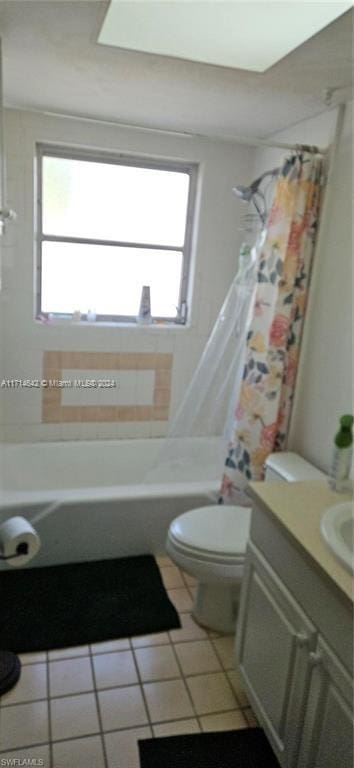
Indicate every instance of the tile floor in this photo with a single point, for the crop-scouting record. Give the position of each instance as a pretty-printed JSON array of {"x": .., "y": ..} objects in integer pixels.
[{"x": 88, "y": 706}]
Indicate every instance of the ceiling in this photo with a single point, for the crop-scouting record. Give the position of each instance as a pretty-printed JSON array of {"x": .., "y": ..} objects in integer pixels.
[{"x": 52, "y": 62}]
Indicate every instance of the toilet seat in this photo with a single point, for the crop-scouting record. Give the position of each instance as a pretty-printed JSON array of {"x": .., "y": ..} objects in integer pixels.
[{"x": 216, "y": 533}]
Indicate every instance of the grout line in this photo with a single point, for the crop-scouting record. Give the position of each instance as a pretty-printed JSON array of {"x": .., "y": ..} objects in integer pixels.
[
  {"x": 186, "y": 686},
  {"x": 100, "y": 723},
  {"x": 141, "y": 685},
  {"x": 123, "y": 685},
  {"x": 151, "y": 724}
]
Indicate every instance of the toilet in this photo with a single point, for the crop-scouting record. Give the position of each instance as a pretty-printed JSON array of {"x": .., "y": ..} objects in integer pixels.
[{"x": 210, "y": 544}]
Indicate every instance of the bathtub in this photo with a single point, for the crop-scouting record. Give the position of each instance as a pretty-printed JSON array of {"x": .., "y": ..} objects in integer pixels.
[{"x": 109, "y": 498}]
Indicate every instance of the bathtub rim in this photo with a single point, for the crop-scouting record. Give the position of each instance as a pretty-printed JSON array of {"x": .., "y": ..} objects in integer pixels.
[{"x": 139, "y": 491}]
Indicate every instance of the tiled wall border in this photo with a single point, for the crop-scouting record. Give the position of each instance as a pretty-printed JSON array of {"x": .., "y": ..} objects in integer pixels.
[{"x": 54, "y": 362}]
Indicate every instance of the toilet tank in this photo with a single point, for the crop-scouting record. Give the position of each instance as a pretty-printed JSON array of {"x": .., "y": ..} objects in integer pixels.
[{"x": 290, "y": 467}]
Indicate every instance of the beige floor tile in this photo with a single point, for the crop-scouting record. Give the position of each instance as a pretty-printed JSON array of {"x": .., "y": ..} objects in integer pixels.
[
  {"x": 197, "y": 656},
  {"x": 237, "y": 686},
  {"x": 157, "y": 663},
  {"x": 224, "y": 721},
  {"x": 181, "y": 599},
  {"x": 112, "y": 669},
  {"x": 74, "y": 716},
  {"x": 213, "y": 634},
  {"x": 250, "y": 717},
  {"x": 32, "y": 658},
  {"x": 70, "y": 676},
  {"x": 81, "y": 753},
  {"x": 171, "y": 577},
  {"x": 167, "y": 700},
  {"x": 191, "y": 581},
  {"x": 28, "y": 754},
  {"x": 122, "y": 747},
  {"x": 111, "y": 645},
  {"x": 190, "y": 630},
  {"x": 23, "y": 725},
  {"x": 122, "y": 708},
  {"x": 158, "y": 638},
  {"x": 68, "y": 653},
  {"x": 31, "y": 685},
  {"x": 225, "y": 649},
  {"x": 163, "y": 561},
  {"x": 177, "y": 727},
  {"x": 211, "y": 693}
]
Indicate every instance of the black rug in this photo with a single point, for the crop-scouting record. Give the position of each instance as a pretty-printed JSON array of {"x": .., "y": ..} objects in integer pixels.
[
  {"x": 245, "y": 748},
  {"x": 80, "y": 603}
]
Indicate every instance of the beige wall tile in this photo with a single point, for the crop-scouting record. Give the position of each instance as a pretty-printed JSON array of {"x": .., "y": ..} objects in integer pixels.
[
  {"x": 52, "y": 359},
  {"x": 126, "y": 413},
  {"x": 51, "y": 396},
  {"x": 144, "y": 412},
  {"x": 51, "y": 414},
  {"x": 162, "y": 396},
  {"x": 106, "y": 413},
  {"x": 161, "y": 412},
  {"x": 55, "y": 362},
  {"x": 164, "y": 361},
  {"x": 163, "y": 379}
]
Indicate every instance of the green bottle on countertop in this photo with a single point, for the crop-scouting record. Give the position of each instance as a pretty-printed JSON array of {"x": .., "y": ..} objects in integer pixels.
[{"x": 342, "y": 454}]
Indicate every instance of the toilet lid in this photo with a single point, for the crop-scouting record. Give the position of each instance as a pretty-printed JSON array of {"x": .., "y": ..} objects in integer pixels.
[{"x": 217, "y": 528}]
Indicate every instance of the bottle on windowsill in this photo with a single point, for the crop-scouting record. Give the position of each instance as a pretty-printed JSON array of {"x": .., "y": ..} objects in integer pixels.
[{"x": 144, "y": 316}]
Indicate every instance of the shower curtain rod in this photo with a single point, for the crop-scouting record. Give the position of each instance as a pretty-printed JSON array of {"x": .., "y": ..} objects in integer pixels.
[{"x": 249, "y": 141}]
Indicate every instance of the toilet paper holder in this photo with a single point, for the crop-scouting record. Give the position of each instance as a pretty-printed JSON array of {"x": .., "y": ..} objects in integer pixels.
[{"x": 21, "y": 549}]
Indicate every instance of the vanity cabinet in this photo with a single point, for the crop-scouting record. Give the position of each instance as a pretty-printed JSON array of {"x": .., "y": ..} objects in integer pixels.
[
  {"x": 327, "y": 738},
  {"x": 298, "y": 683}
]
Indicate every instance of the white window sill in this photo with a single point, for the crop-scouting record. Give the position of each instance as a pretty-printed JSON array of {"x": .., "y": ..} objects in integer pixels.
[{"x": 101, "y": 324}]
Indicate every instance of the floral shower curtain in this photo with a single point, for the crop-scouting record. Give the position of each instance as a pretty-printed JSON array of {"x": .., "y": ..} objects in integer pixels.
[{"x": 264, "y": 403}]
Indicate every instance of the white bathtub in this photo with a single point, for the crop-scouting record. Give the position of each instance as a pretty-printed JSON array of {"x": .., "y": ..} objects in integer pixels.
[{"x": 106, "y": 501}]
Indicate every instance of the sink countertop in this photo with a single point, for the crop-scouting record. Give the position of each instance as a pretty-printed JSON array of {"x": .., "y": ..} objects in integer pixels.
[{"x": 299, "y": 507}]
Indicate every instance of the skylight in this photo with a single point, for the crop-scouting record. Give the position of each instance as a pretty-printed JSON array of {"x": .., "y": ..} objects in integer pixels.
[{"x": 250, "y": 35}]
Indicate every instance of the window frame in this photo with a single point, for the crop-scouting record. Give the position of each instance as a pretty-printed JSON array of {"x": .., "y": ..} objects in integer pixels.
[{"x": 118, "y": 158}]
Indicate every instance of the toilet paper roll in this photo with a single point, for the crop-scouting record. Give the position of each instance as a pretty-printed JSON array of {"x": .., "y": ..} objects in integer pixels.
[{"x": 14, "y": 532}]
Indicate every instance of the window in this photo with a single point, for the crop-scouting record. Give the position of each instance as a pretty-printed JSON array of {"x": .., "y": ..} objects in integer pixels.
[{"x": 107, "y": 225}]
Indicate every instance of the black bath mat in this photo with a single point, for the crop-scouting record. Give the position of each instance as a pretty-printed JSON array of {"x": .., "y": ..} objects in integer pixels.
[
  {"x": 246, "y": 748},
  {"x": 80, "y": 603}
]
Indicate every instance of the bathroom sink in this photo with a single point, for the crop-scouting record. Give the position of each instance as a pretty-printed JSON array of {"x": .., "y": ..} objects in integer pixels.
[{"x": 337, "y": 529}]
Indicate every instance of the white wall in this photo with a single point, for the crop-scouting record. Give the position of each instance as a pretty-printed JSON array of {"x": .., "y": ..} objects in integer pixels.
[
  {"x": 216, "y": 246},
  {"x": 324, "y": 386}
]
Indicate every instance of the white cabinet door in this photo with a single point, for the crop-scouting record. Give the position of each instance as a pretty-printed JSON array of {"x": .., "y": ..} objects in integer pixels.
[
  {"x": 328, "y": 730},
  {"x": 273, "y": 641}
]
